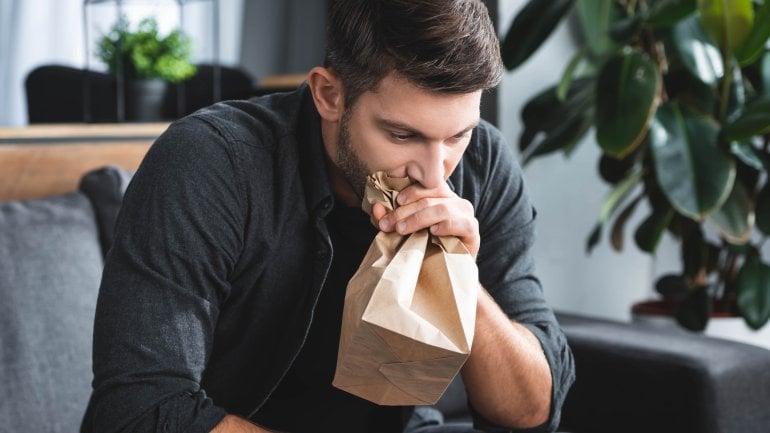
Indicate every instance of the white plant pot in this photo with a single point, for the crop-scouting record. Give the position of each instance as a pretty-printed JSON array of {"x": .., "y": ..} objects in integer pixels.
[{"x": 730, "y": 328}]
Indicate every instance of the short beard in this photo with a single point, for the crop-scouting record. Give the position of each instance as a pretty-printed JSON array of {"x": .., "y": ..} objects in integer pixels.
[{"x": 354, "y": 170}]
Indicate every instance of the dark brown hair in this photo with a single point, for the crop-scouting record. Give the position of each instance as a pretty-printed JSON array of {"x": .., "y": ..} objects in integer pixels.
[{"x": 440, "y": 45}]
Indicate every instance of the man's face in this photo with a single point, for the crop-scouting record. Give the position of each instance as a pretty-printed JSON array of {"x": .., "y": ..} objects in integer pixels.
[{"x": 405, "y": 131}]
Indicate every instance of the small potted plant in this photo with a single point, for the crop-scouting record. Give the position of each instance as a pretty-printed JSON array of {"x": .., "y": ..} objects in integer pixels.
[
  {"x": 148, "y": 62},
  {"x": 678, "y": 94}
]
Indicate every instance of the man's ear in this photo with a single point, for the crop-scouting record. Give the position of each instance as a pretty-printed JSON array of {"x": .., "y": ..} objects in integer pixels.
[{"x": 326, "y": 88}]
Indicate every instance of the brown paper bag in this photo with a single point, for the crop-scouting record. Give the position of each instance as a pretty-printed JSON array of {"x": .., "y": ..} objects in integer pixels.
[{"x": 409, "y": 315}]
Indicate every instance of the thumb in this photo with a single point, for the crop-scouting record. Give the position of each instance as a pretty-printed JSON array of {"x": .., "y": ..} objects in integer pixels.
[{"x": 378, "y": 211}]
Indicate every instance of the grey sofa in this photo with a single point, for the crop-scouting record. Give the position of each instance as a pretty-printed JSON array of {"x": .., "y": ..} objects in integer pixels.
[{"x": 629, "y": 378}]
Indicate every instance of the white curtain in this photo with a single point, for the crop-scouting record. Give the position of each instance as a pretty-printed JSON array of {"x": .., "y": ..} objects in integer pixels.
[{"x": 37, "y": 32}]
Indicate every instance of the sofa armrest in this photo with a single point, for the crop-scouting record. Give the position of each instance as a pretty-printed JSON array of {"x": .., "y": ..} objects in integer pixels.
[{"x": 631, "y": 378}]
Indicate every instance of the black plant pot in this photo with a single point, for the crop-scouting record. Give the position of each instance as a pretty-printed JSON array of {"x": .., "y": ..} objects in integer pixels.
[{"x": 144, "y": 100}]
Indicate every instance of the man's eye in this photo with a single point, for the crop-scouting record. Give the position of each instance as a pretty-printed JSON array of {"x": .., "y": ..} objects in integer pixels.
[{"x": 400, "y": 137}]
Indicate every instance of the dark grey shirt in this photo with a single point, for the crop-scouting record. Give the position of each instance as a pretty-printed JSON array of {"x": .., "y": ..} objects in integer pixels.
[{"x": 221, "y": 250}]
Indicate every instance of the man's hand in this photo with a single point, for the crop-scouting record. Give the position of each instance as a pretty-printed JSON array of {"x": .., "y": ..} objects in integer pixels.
[
  {"x": 439, "y": 209},
  {"x": 507, "y": 375}
]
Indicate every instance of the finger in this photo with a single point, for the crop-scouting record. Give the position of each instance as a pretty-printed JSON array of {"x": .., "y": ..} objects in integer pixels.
[
  {"x": 416, "y": 192},
  {"x": 456, "y": 216},
  {"x": 471, "y": 239},
  {"x": 389, "y": 221}
]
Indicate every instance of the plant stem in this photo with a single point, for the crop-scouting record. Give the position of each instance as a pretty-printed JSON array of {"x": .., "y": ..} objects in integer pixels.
[{"x": 726, "y": 82}]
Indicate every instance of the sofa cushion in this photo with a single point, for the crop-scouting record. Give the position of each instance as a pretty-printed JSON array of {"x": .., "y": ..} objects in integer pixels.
[
  {"x": 105, "y": 188},
  {"x": 50, "y": 268}
]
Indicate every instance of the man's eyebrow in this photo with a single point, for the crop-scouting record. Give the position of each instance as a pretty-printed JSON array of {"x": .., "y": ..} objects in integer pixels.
[{"x": 392, "y": 124}]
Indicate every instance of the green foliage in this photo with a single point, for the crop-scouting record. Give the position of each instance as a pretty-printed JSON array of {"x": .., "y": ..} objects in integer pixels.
[
  {"x": 144, "y": 54},
  {"x": 678, "y": 92}
]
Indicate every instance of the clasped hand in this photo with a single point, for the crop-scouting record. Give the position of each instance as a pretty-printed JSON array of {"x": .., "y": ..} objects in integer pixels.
[{"x": 439, "y": 209}]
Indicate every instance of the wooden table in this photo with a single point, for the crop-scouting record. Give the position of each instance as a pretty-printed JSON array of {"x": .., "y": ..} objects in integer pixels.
[{"x": 41, "y": 160}]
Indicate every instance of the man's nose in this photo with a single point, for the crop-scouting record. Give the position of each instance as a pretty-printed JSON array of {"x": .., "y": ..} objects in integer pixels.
[{"x": 432, "y": 166}]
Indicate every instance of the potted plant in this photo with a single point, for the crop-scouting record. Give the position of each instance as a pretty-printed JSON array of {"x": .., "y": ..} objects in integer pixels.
[
  {"x": 148, "y": 62},
  {"x": 678, "y": 94}
]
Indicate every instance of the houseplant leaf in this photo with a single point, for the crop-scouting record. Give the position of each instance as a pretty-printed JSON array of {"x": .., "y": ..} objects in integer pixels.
[
  {"x": 764, "y": 71},
  {"x": 531, "y": 26},
  {"x": 694, "y": 173},
  {"x": 728, "y": 22},
  {"x": 754, "y": 120},
  {"x": 744, "y": 151},
  {"x": 596, "y": 18},
  {"x": 550, "y": 124},
  {"x": 565, "y": 137},
  {"x": 754, "y": 292},
  {"x": 695, "y": 254},
  {"x": 618, "y": 227},
  {"x": 664, "y": 13},
  {"x": 618, "y": 194},
  {"x": 734, "y": 219},
  {"x": 672, "y": 286},
  {"x": 694, "y": 311},
  {"x": 566, "y": 78},
  {"x": 626, "y": 99},
  {"x": 762, "y": 209},
  {"x": 754, "y": 45},
  {"x": 625, "y": 29},
  {"x": 649, "y": 232},
  {"x": 613, "y": 200},
  {"x": 697, "y": 52}
]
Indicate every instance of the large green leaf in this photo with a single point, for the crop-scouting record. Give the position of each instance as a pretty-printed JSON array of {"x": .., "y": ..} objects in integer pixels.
[
  {"x": 734, "y": 218},
  {"x": 530, "y": 28},
  {"x": 754, "y": 292},
  {"x": 697, "y": 52},
  {"x": 727, "y": 21},
  {"x": 754, "y": 120},
  {"x": 626, "y": 100},
  {"x": 695, "y": 174},
  {"x": 664, "y": 13},
  {"x": 755, "y": 42},
  {"x": 551, "y": 124},
  {"x": 596, "y": 17},
  {"x": 762, "y": 209}
]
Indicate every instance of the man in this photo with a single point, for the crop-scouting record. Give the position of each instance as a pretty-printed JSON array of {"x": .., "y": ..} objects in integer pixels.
[{"x": 221, "y": 302}]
